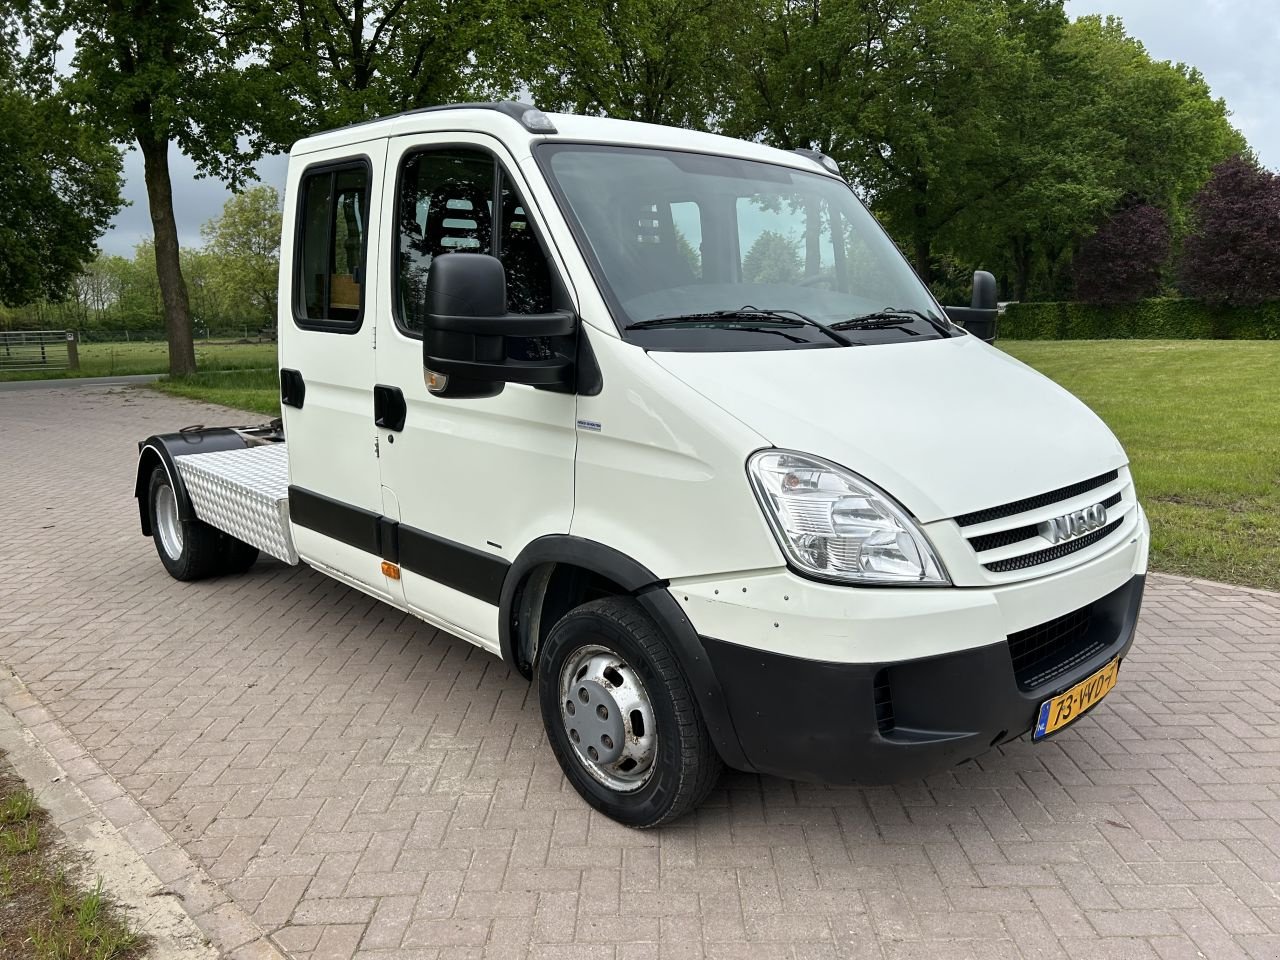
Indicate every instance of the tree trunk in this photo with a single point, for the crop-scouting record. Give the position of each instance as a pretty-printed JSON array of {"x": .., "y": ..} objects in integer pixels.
[
  {"x": 1022, "y": 266},
  {"x": 923, "y": 255},
  {"x": 173, "y": 289}
]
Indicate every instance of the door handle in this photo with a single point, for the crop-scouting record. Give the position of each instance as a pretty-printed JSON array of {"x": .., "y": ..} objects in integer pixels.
[
  {"x": 389, "y": 409},
  {"x": 293, "y": 389}
]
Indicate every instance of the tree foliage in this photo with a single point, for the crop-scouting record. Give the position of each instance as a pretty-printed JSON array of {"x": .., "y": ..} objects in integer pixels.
[
  {"x": 984, "y": 133},
  {"x": 156, "y": 72},
  {"x": 1124, "y": 260},
  {"x": 1232, "y": 255},
  {"x": 243, "y": 249},
  {"x": 772, "y": 258},
  {"x": 327, "y": 64},
  {"x": 656, "y": 61},
  {"x": 59, "y": 188},
  {"x": 987, "y": 132}
]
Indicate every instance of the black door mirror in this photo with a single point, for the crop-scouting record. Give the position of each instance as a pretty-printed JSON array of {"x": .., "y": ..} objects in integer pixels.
[
  {"x": 980, "y": 317},
  {"x": 469, "y": 338},
  {"x": 984, "y": 291}
]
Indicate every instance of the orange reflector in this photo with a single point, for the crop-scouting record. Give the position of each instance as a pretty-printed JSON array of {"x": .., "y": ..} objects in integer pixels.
[{"x": 390, "y": 570}]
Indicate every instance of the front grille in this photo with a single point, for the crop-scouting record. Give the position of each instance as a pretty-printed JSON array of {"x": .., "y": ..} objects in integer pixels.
[
  {"x": 1034, "y": 503},
  {"x": 1004, "y": 538},
  {"x": 1055, "y": 552},
  {"x": 1045, "y": 652},
  {"x": 883, "y": 697}
]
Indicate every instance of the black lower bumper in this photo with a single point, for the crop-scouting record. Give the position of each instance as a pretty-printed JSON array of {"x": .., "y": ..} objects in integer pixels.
[{"x": 885, "y": 722}]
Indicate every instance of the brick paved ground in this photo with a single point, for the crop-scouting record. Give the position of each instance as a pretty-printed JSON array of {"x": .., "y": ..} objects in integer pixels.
[{"x": 362, "y": 785}]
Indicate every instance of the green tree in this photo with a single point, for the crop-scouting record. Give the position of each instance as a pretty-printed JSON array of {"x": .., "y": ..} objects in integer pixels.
[
  {"x": 243, "y": 245},
  {"x": 911, "y": 97},
  {"x": 59, "y": 186},
  {"x": 156, "y": 72},
  {"x": 773, "y": 258},
  {"x": 327, "y": 64},
  {"x": 1108, "y": 128},
  {"x": 657, "y": 61}
]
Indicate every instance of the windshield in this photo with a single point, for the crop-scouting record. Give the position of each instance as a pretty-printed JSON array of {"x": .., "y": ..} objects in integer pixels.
[{"x": 677, "y": 234}]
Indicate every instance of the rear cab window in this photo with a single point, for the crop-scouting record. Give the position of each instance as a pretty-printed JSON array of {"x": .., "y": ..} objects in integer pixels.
[{"x": 331, "y": 247}]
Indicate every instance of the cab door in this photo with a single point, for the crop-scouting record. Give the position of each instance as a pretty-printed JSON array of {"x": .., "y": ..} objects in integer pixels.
[
  {"x": 326, "y": 332},
  {"x": 474, "y": 480}
]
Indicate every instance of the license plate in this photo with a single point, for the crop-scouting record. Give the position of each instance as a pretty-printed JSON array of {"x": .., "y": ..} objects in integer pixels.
[{"x": 1065, "y": 707}]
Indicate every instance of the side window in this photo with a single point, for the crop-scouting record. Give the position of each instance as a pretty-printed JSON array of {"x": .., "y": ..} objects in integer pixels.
[
  {"x": 686, "y": 216},
  {"x": 528, "y": 275},
  {"x": 329, "y": 271},
  {"x": 457, "y": 200}
]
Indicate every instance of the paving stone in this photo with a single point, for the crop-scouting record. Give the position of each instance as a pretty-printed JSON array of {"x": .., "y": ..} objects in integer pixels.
[{"x": 364, "y": 786}]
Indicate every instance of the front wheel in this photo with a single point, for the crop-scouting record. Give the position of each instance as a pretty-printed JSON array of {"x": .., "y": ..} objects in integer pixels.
[{"x": 620, "y": 716}]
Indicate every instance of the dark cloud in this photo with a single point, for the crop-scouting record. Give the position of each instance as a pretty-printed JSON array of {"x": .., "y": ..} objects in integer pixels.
[
  {"x": 1231, "y": 41},
  {"x": 195, "y": 201}
]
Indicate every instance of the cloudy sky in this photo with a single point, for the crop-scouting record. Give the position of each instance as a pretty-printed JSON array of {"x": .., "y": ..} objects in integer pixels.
[{"x": 1231, "y": 41}]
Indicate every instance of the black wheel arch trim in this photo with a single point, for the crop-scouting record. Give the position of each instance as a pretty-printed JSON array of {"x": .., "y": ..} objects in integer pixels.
[
  {"x": 162, "y": 450},
  {"x": 650, "y": 591}
]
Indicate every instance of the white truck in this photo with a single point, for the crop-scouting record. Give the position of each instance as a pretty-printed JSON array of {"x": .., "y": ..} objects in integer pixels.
[{"x": 666, "y": 422}]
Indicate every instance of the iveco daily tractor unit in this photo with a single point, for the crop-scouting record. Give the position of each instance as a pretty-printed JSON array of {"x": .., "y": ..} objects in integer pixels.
[{"x": 665, "y": 421}]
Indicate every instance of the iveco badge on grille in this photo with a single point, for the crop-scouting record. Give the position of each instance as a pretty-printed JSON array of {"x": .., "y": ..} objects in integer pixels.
[{"x": 1074, "y": 524}]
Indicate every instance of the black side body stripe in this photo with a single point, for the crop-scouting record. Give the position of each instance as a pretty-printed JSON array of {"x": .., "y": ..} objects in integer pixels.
[
  {"x": 353, "y": 526},
  {"x": 470, "y": 571},
  {"x": 455, "y": 565}
]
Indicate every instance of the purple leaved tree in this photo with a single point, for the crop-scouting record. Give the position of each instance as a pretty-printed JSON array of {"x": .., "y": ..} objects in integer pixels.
[
  {"x": 1233, "y": 253},
  {"x": 1123, "y": 260}
]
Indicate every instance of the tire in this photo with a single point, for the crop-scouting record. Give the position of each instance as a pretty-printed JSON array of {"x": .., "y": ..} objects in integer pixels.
[
  {"x": 191, "y": 549},
  {"x": 602, "y": 664}
]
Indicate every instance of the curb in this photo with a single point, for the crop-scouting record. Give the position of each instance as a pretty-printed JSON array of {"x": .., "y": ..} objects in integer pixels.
[
  {"x": 94, "y": 811},
  {"x": 123, "y": 380},
  {"x": 1215, "y": 585}
]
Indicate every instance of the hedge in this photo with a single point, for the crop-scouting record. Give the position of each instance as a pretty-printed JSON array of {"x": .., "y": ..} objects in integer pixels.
[{"x": 1165, "y": 319}]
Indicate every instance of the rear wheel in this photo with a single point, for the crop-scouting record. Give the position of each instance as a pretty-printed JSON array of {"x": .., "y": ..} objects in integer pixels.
[
  {"x": 191, "y": 549},
  {"x": 620, "y": 716}
]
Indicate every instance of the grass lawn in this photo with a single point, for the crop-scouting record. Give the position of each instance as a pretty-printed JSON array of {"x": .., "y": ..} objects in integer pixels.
[
  {"x": 45, "y": 915},
  {"x": 256, "y": 390},
  {"x": 121, "y": 359},
  {"x": 1199, "y": 418}
]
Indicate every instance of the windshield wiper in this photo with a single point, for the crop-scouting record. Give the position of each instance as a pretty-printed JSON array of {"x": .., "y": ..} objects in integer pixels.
[
  {"x": 891, "y": 317},
  {"x": 790, "y": 318}
]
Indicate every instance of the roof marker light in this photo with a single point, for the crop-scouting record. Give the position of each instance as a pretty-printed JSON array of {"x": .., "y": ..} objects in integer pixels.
[
  {"x": 820, "y": 158},
  {"x": 535, "y": 121}
]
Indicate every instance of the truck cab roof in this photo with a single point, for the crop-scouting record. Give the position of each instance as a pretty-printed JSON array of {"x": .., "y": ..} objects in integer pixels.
[{"x": 520, "y": 125}]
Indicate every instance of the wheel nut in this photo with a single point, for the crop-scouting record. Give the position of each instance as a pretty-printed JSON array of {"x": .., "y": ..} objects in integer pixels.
[
  {"x": 569, "y": 708},
  {"x": 602, "y": 712},
  {"x": 583, "y": 695},
  {"x": 606, "y": 741},
  {"x": 592, "y": 753},
  {"x": 573, "y": 735}
]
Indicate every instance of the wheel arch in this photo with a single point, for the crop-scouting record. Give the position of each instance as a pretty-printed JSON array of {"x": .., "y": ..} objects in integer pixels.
[
  {"x": 162, "y": 450},
  {"x": 555, "y": 573}
]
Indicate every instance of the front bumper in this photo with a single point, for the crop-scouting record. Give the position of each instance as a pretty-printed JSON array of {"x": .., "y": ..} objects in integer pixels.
[
  {"x": 842, "y": 685},
  {"x": 885, "y": 722}
]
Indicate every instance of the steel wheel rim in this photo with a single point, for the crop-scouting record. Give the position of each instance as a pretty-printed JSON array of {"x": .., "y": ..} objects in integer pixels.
[
  {"x": 167, "y": 522},
  {"x": 608, "y": 718}
]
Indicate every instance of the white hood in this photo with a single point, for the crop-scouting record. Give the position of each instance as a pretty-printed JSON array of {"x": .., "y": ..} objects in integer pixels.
[{"x": 945, "y": 426}]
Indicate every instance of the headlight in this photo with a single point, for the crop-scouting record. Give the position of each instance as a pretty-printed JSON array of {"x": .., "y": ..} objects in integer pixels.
[{"x": 835, "y": 525}]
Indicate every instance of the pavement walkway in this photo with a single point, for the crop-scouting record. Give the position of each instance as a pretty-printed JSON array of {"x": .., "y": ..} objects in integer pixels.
[{"x": 321, "y": 776}]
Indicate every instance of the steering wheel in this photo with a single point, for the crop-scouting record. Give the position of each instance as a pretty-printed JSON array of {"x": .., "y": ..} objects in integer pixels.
[{"x": 820, "y": 278}]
